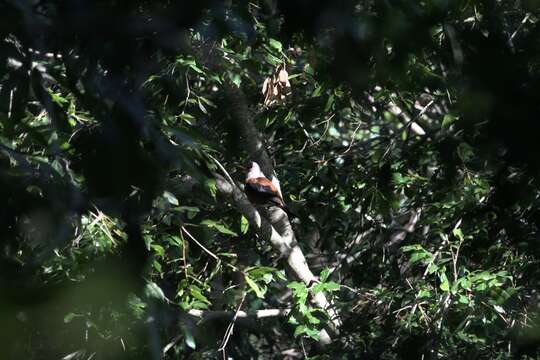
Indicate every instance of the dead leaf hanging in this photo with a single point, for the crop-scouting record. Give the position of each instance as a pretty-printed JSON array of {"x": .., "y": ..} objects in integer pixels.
[{"x": 276, "y": 88}]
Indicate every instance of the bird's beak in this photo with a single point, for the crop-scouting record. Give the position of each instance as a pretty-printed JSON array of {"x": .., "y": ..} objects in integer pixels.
[{"x": 248, "y": 166}]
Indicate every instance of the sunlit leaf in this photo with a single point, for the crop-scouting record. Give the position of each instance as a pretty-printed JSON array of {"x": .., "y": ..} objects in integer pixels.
[
  {"x": 258, "y": 291},
  {"x": 153, "y": 291}
]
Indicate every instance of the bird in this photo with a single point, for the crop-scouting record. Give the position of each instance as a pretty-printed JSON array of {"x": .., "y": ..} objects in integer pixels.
[{"x": 261, "y": 191}]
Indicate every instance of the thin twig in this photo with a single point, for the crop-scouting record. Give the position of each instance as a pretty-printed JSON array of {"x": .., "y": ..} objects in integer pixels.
[
  {"x": 10, "y": 103},
  {"x": 184, "y": 254},
  {"x": 327, "y": 121},
  {"x": 173, "y": 342},
  {"x": 220, "y": 261},
  {"x": 519, "y": 27},
  {"x": 303, "y": 348},
  {"x": 188, "y": 92},
  {"x": 223, "y": 170},
  {"x": 305, "y": 132},
  {"x": 352, "y": 139},
  {"x": 258, "y": 314},
  {"x": 230, "y": 328},
  {"x": 200, "y": 245}
]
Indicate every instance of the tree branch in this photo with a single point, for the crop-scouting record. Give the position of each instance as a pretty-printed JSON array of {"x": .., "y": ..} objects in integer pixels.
[
  {"x": 397, "y": 237},
  {"x": 219, "y": 314},
  {"x": 277, "y": 229}
]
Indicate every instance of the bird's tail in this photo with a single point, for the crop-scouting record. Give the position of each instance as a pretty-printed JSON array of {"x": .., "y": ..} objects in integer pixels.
[
  {"x": 280, "y": 204},
  {"x": 288, "y": 211}
]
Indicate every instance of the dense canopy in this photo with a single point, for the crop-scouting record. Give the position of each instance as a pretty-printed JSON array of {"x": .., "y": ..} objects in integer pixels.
[{"x": 403, "y": 135}]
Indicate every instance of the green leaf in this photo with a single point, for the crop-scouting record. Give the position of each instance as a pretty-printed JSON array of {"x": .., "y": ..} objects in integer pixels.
[
  {"x": 225, "y": 230},
  {"x": 432, "y": 268},
  {"x": 297, "y": 286},
  {"x": 186, "y": 117},
  {"x": 316, "y": 92},
  {"x": 244, "y": 225},
  {"x": 399, "y": 179},
  {"x": 303, "y": 308},
  {"x": 191, "y": 211},
  {"x": 236, "y": 79},
  {"x": 312, "y": 319},
  {"x": 324, "y": 274},
  {"x": 313, "y": 333},
  {"x": 414, "y": 247},
  {"x": 153, "y": 291},
  {"x": 271, "y": 59},
  {"x": 275, "y": 44},
  {"x": 69, "y": 317},
  {"x": 332, "y": 286},
  {"x": 445, "y": 284},
  {"x": 259, "y": 272},
  {"x": 196, "y": 68},
  {"x": 292, "y": 320},
  {"x": 254, "y": 287},
  {"x": 219, "y": 227},
  {"x": 57, "y": 98},
  {"x": 465, "y": 283},
  {"x": 329, "y": 286},
  {"x": 294, "y": 76},
  {"x": 157, "y": 266},
  {"x": 158, "y": 249},
  {"x": 197, "y": 294},
  {"x": 317, "y": 288},
  {"x": 448, "y": 120},
  {"x": 174, "y": 240},
  {"x": 268, "y": 278},
  {"x": 483, "y": 276},
  {"x": 190, "y": 340},
  {"x": 481, "y": 287},
  {"x": 458, "y": 233},
  {"x": 329, "y": 103},
  {"x": 301, "y": 329},
  {"x": 300, "y": 291},
  {"x": 419, "y": 256},
  {"x": 170, "y": 198},
  {"x": 136, "y": 305},
  {"x": 211, "y": 186},
  {"x": 281, "y": 275}
]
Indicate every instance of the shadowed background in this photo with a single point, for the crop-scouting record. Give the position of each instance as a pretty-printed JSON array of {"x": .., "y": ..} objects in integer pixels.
[{"x": 109, "y": 111}]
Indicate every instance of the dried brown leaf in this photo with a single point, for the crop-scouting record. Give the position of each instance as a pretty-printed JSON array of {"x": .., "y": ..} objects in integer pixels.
[
  {"x": 283, "y": 76},
  {"x": 265, "y": 85}
]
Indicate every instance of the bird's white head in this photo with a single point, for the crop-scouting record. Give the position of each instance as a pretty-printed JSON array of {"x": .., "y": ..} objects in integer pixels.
[{"x": 254, "y": 171}]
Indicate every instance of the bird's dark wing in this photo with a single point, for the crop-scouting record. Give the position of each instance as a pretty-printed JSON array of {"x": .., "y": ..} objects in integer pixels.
[
  {"x": 262, "y": 191},
  {"x": 262, "y": 186}
]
